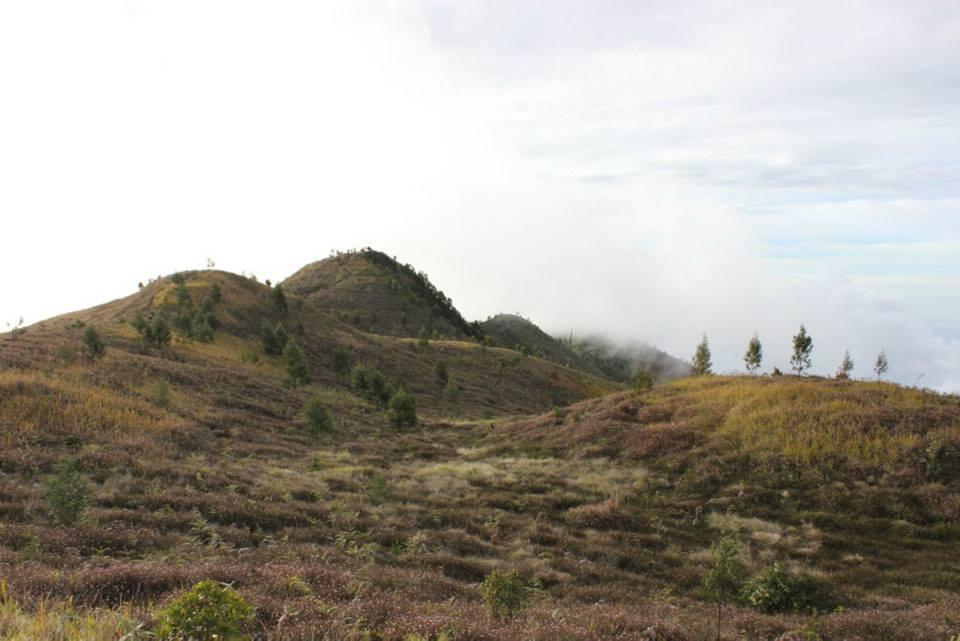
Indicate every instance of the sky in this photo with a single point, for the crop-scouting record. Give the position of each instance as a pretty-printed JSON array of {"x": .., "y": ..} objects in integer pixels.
[{"x": 644, "y": 170}]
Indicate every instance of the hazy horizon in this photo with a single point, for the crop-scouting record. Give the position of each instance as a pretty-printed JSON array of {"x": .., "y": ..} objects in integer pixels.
[{"x": 642, "y": 172}]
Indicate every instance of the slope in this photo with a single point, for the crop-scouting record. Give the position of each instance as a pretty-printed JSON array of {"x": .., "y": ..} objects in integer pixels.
[{"x": 377, "y": 294}]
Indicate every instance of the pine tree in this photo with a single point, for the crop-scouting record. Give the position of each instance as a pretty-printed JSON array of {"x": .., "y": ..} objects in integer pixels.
[
  {"x": 880, "y": 367},
  {"x": 701, "y": 365},
  {"x": 403, "y": 409},
  {"x": 802, "y": 350},
  {"x": 754, "y": 356},
  {"x": 846, "y": 366}
]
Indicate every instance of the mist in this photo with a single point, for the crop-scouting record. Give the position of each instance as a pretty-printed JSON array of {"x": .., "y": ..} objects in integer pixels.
[{"x": 643, "y": 174}]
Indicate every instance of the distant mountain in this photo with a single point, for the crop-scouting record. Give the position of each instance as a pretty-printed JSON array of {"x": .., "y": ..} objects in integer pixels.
[
  {"x": 518, "y": 333},
  {"x": 620, "y": 361}
]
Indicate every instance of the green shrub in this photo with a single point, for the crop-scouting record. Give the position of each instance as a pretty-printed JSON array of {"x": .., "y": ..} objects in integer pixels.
[
  {"x": 724, "y": 580},
  {"x": 775, "y": 589},
  {"x": 441, "y": 371},
  {"x": 92, "y": 344},
  {"x": 210, "y": 611},
  {"x": 403, "y": 409},
  {"x": 279, "y": 300},
  {"x": 317, "y": 417},
  {"x": 297, "y": 370},
  {"x": 341, "y": 361},
  {"x": 369, "y": 383},
  {"x": 451, "y": 395},
  {"x": 943, "y": 460},
  {"x": 506, "y": 593},
  {"x": 423, "y": 337},
  {"x": 159, "y": 394},
  {"x": 642, "y": 381},
  {"x": 66, "y": 493}
]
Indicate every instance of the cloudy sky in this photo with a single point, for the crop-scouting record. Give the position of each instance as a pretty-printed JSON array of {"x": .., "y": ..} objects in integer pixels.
[{"x": 650, "y": 170}]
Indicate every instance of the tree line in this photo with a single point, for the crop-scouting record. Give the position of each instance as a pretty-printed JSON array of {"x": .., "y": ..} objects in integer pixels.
[{"x": 800, "y": 361}]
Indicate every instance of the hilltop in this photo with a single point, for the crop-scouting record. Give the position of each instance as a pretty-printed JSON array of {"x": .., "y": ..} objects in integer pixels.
[
  {"x": 378, "y": 294},
  {"x": 202, "y": 465}
]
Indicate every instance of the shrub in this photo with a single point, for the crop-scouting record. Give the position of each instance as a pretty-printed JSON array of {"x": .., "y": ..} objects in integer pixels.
[
  {"x": 451, "y": 394},
  {"x": 943, "y": 460},
  {"x": 159, "y": 333},
  {"x": 159, "y": 394},
  {"x": 724, "y": 580},
  {"x": 92, "y": 344},
  {"x": 423, "y": 337},
  {"x": 775, "y": 589},
  {"x": 66, "y": 493},
  {"x": 297, "y": 370},
  {"x": 273, "y": 339},
  {"x": 506, "y": 593},
  {"x": 403, "y": 409},
  {"x": 441, "y": 371},
  {"x": 370, "y": 384},
  {"x": 643, "y": 381},
  {"x": 209, "y": 612},
  {"x": 317, "y": 416},
  {"x": 279, "y": 299},
  {"x": 341, "y": 361}
]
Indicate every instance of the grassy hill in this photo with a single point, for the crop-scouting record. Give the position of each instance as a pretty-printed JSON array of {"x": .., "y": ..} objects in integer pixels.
[
  {"x": 378, "y": 294},
  {"x": 200, "y": 466}
]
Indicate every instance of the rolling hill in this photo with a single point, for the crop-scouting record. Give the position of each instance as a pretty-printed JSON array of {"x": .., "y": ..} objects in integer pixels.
[{"x": 200, "y": 463}]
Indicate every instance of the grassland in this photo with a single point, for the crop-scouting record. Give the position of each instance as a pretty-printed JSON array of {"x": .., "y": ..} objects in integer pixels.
[{"x": 369, "y": 532}]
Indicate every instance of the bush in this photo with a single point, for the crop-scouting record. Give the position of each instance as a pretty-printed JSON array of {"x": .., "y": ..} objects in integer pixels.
[
  {"x": 297, "y": 370},
  {"x": 451, "y": 395},
  {"x": 441, "y": 371},
  {"x": 92, "y": 344},
  {"x": 66, "y": 493},
  {"x": 209, "y": 612},
  {"x": 317, "y": 416},
  {"x": 369, "y": 383},
  {"x": 643, "y": 381},
  {"x": 943, "y": 460},
  {"x": 273, "y": 339},
  {"x": 777, "y": 590},
  {"x": 341, "y": 361},
  {"x": 403, "y": 409},
  {"x": 506, "y": 593},
  {"x": 279, "y": 299},
  {"x": 159, "y": 394}
]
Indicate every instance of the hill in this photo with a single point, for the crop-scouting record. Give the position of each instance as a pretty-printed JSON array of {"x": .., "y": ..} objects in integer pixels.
[
  {"x": 518, "y": 333},
  {"x": 200, "y": 464},
  {"x": 593, "y": 354},
  {"x": 620, "y": 361},
  {"x": 378, "y": 294}
]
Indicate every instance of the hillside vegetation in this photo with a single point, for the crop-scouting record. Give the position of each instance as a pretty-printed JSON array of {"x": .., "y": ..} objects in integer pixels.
[{"x": 127, "y": 478}]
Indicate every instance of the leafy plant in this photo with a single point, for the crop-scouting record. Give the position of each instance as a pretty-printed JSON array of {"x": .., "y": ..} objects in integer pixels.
[
  {"x": 317, "y": 416},
  {"x": 279, "y": 300},
  {"x": 369, "y": 383},
  {"x": 297, "y": 370},
  {"x": 775, "y": 589},
  {"x": 66, "y": 493},
  {"x": 211, "y": 611},
  {"x": 881, "y": 365},
  {"x": 403, "y": 409},
  {"x": 724, "y": 580},
  {"x": 506, "y": 593},
  {"x": 93, "y": 346}
]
